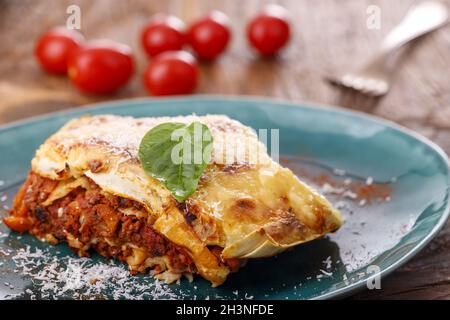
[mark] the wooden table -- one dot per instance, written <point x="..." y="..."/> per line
<point x="330" y="36"/>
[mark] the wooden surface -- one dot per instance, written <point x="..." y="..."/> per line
<point x="330" y="36"/>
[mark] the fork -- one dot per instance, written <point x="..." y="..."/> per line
<point x="374" y="79"/>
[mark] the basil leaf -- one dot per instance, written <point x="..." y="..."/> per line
<point x="177" y="155"/>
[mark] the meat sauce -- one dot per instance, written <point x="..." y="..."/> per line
<point x="90" y="219"/>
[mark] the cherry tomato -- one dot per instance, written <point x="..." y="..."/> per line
<point x="269" y="31"/>
<point x="171" y="73"/>
<point x="101" y="66"/>
<point x="163" y="33"/>
<point x="210" y="35"/>
<point x="53" y="48"/>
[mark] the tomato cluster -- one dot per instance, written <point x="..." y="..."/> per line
<point x="96" y="67"/>
<point x="172" y="71"/>
<point x="104" y="66"/>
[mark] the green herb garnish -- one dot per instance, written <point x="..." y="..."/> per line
<point x="177" y="154"/>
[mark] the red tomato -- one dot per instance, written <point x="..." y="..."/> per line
<point x="163" y="33"/>
<point x="210" y="35"/>
<point x="53" y="48"/>
<point x="170" y="73"/>
<point x="269" y="31"/>
<point x="101" y="66"/>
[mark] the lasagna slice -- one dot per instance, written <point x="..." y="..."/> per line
<point x="87" y="188"/>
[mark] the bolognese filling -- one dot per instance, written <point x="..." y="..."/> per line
<point x="88" y="218"/>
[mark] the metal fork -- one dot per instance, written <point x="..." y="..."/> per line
<point x="374" y="79"/>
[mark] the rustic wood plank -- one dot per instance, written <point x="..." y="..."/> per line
<point x="329" y="36"/>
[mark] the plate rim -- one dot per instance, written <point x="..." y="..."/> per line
<point x="338" y="293"/>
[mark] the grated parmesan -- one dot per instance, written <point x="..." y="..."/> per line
<point x="56" y="277"/>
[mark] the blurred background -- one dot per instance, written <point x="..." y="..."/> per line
<point x="328" y="37"/>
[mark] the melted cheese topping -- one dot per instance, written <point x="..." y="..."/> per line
<point x="250" y="208"/>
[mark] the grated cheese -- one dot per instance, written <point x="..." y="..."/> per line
<point x="83" y="278"/>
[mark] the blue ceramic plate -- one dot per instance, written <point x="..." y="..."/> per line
<point x="390" y="184"/>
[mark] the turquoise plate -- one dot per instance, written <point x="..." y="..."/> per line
<point x="390" y="184"/>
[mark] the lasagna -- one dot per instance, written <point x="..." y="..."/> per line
<point x="87" y="188"/>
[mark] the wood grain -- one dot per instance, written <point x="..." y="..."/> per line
<point x="330" y="36"/>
